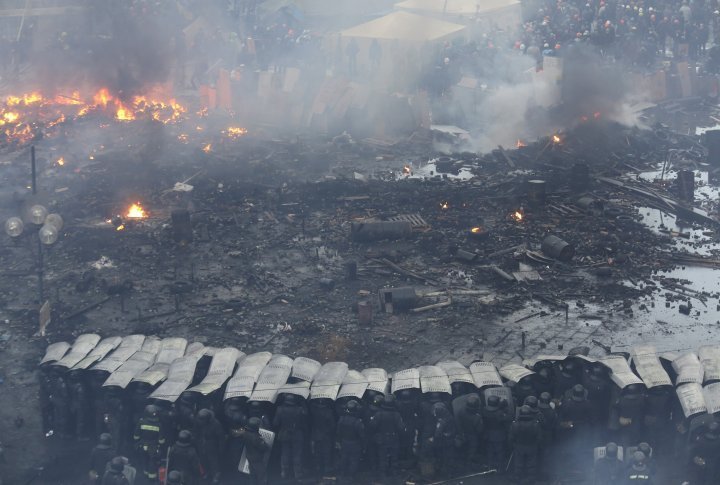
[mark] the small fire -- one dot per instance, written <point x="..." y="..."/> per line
<point x="476" y="230"/>
<point x="235" y="132"/>
<point x="520" y="143"/>
<point x="124" y="114"/>
<point x="136" y="212"/>
<point x="60" y="161"/>
<point x="517" y="215"/>
<point x="556" y="139"/>
<point x="183" y="138"/>
<point x="407" y="169"/>
<point x="445" y="205"/>
<point x="120" y="227"/>
<point x="207" y="148"/>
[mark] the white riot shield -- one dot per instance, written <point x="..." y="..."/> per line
<point x="328" y="380"/>
<point x="485" y="374"/>
<point x="55" y="352"/>
<point x="691" y="399"/>
<point x="269" y="438"/>
<point x="601" y="452"/>
<point x="139" y="362"/>
<point x="170" y="349"/>
<point x="647" y="364"/>
<point x="434" y="379"/>
<point x="456" y="372"/>
<point x="689" y="369"/>
<point x="243" y="381"/>
<point x="405" y="379"/>
<point x="179" y="378"/>
<point x="195" y="349"/>
<point x="105" y="346"/>
<point x="153" y="375"/>
<point x="300" y="388"/>
<point x="221" y="369"/>
<point x="80" y="348"/>
<point x="128" y="346"/>
<point x="305" y="369"/>
<point x="515" y="372"/>
<point x="377" y="378"/>
<point x="710" y="360"/>
<point x="273" y="376"/>
<point x="620" y="374"/>
<point x="504" y="393"/>
<point x="711" y="394"/>
<point x="354" y="385"/>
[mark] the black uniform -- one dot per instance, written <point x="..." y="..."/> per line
<point x="608" y="469"/>
<point x="322" y="433"/>
<point x="79" y="405"/>
<point x="496" y="433"/>
<point x="149" y="440"/>
<point x="60" y="400"/>
<point x="408" y="409"/>
<point x="210" y="441"/>
<point x="387" y="426"/>
<point x="470" y="428"/>
<point x="444" y="439"/>
<point x="631" y="413"/>
<point x="290" y="424"/>
<point x="525" y="437"/>
<point x="113" y="477"/>
<point x="184" y="458"/>
<point x="255" y="449"/>
<point x="100" y="456"/>
<point x="350" y="436"/>
<point x="704" y="456"/>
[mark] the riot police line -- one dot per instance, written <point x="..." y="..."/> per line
<point x="186" y="412"/>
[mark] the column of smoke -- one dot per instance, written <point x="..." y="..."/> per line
<point x="539" y="104"/>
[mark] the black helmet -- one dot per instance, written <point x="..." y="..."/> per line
<point x="258" y="404"/>
<point x="472" y="403"/>
<point x="184" y="437"/>
<point x="405" y="394"/>
<point x="174" y="478"/>
<point x="713" y="430"/>
<point x="378" y="400"/>
<point x="187" y="397"/>
<point x="254" y="424"/>
<point x="105" y="439"/>
<point x="531" y="402"/>
<point x="439" y="410"/>
<point x="290" y="399"/>
<point x="544" y="401"/>
<point x="493" y="403"/>
<point x="204" y="415"/>
<point x="525" y="412"/>
<point x="638" y="458"/>
<point x="611" y="450"/>
<point x="597" y="370"/>
<point x="117" y="464"/>
<point x="151" y="411"/>
<point x="633" y="389"/>
<point x="578" y="392"/>
<point x="568" y="367"/>
<point x="389" y="402"/>
<point x="352" y="407"/>
<point x="645" y="448"/>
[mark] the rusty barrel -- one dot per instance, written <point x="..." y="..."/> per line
<point x="557" y="248"/>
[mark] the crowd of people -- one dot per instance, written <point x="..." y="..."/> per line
<point x="548" y="425"/>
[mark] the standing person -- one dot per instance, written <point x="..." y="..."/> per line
<point x="352" y="51"/>
<point x="609" y="468"/>
<point x="210" y="441"/>
<point x="470" y="428"/>
<point x="114" y="474"/>
<point x="255" y="449"/>
<point x="100" y="456"/>
<point x="149" y="439"/>
<point x="444" y="439"/>
<point x="574" y="426"/>
<point x="184" y="458"/>
<point x="350" y="436"/>
<point x="638" y="473"/>
<point x="496" y="433"/>
<point x="79" y="405"/>
<point x="525" y="438"/>
<point x="322" y="434"/>
<point x="290" y="424"/>
<point x="704" y="456"/>
<point x="387" y="426"/>
<point x="375" y="55"/>
<point x="60" y="401"/>
<point x="408" y="408"/>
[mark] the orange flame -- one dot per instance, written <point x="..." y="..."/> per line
<point x="520" y="143"/>
<point x="445" y="205"/>
<point x="61" y="161"/>
<point x="235" y="132"/>
<point x="207" y="148"/>
<point x="407" y="169"/>
<point x="476" y="230"/>
<point x="556" y="139"/>
<point x="120" y="227"/>
<point x="518" y="216"/>
<point x="136" y="212"/>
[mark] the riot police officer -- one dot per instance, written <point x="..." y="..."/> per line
<point x="525" y="438"/>
<point x="290" y="424"/>
<point x="176" y="478"/>
<point x="630" y="407"/>
<point x="210" y="440"/>
<point x="235" y="422"/>
<point x="386" y="427"/>
<point x="350" y="435"/>
<point x="444" y="439"/>
<point x="704" y="456"/>
<point x="322" y="433"/>
<point x="149" y="439"/>
<point x="115" y="418"/>
<point x="470" y="427"/>
<point x="100" y="456"/>
<point x="184" y="411"/>
<point x="408" y="407"/>
<point x="60" y="401"/>
<point x="638" y="472"/>
<point x="184" y="458"/>
<point x="574" y="427"/>
<point x="609" y="468"/>
<point x="79" y="404"/>
<point x="567" y="377"/>
<point x="496" y="423"/>
<point x="114" y="474"/>
<point x="255" y="449"/>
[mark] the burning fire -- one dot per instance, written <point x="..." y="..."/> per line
<point x="556" y="139"/>
<point x="207" y="148"/>
<point x="476" y="230"/>
<point x="520" y="143"/>
<point x="407" y="169"/>
<point x="517" y="215"/>
<point x="120" y="227"/>
<point x="445" y="205"/>
<point x="136" y="212"/>
<point x="235" y="132"/>
<point x="183" y="138"/>
<point x="60" y="161"/>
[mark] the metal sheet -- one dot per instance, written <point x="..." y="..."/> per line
<point x="128" y="346"/>
<point x="377" y="378"/>
<point x="156" y="373"/>
<point x="688" y="368"/>
<point x="710" y="360"/>
<point x="515" y="372"/>
<point x="221" y="369"/>
<point x="405" y="379"/>
<point x="55" y="352"/>
<point x="691" y="399"/>
<point x="135" y="366"/>
<point x="170" y="349"/>
<point x="180" y="376"/>
<point x="434" y="379"/>
<point x="301" y="389"/>
<point x="79" y="350"/>
<point x="273" y="376"/>
<point x="485" y="374"/>
<point x="456" y="372"/>
<point x="647" y="364"/>
<point x="105" y="346"/>
<point x="711" y="394"/>
<point x="354" y="385"/>
<point x="195" y="348"/>
<point x="243" y="381"/>
<point x="328" y="380"/>
<point x="620" y="374"/>
<point x="305" y="369"/>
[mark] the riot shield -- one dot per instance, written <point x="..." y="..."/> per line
<point x="504" y="393"/>
<point x="170" y="349"/>
<point x="691" y="399"/>
<point x="456" y="372"/>
<point x="485" y="374"/>
<point x="620" y="372"/>
<point x="711" y="394"/>
<point x="300" y="388"/>
<point x="243" y="381"/>
<point x="353" y="385"/>
<point x="80" y="348"/>
<point x="515" y="372"/>
<point x="601" y="452"/>
<point x="179" y="377"/>
<point x="377" y="378"/>
<point x="221" y="368"/>
<point x="124" y="374"/>
<point x="433" y="379"/>
<point x="648" y="366"/>
<point x="710" y="360"/>
<point x="458" y="404"/>
<point x="105" y="346"/>
<point x="328" y="380"/>
<point x="273" y="376"/>
<point x="128" y="346"/>
<point x="405" y="379"/>
<point x="195" y="348"/>
<point x="55" y="352"/>
<point x="689" y="369"/>
<point x="153" y="375"/>
<point x="305" y="369"/>
<point x="269" y="438"/>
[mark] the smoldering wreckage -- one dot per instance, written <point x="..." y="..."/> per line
<point x="157" y="253"/>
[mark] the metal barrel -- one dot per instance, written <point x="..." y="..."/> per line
<point x="557" y="248"/>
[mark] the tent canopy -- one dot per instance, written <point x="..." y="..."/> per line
<point x="404" y="26"/>
<point x="456" y="7"/>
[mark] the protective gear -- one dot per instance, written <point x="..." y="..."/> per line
<point x="149" y="439"/>
<point x="525" y="437"/>
<point x="444" y="439"/>
<point x="100" y="456"/>
<point x="496" y="423"/>
<point x="175" y="478"/>
<point x="105" y="439"/>
<point x="204" y="416"/>
<point x="117" y="464"/>
<point x="114" y="475"/>
<point x="493" y="403"/>
<point x="350" y="437"/>
<point x="184" y="437"/>
<point x="386" y="427"/>
<point x="183" y="457"/>
<point x="254" y="425"/>
<point x="151" y="411"/>
<point x="322" y="433"/>
<point x="290" y="424"/>
<point x="255" y="449"/>
<point x="209" y="438"/>
<point x="525" y="413"/>
<point x="578" y="393"/>
<point x="473" y="403"/>
<point x="609" y="468"/>
<point x="352" y="407"/>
